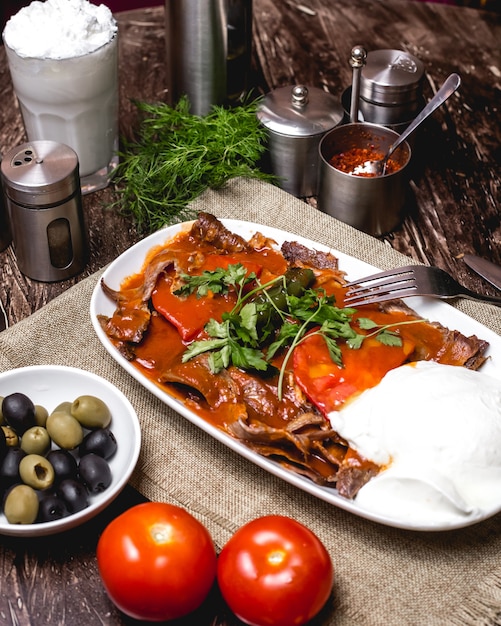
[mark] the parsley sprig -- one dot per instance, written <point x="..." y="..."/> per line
<point x="216" y="281"/>
<point x="240" y="339"/>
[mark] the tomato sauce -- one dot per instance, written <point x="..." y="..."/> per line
<point x="312" y="378"/>
<point x="179" y="320"/>
<point x="349" y="160"/>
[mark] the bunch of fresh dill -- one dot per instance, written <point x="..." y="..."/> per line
<point x="177" y="155"/>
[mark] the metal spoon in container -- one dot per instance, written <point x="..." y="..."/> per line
<point x="378" y="167"/>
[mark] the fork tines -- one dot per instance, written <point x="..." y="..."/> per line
<point x="396" y="283"/>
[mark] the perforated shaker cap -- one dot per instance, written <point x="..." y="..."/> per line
<point x="40" y="173"/>
<point x="391" y="77"/>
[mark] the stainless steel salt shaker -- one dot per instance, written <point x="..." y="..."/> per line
<point x="43" y="198"/>
<point x="391" y="87"/>
<point x="5" y="236"/>
<point x="391" y="90"/>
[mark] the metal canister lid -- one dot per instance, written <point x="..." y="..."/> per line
<point x="391" y="77"/>
<point x="40" y="173"/>
<point x="300" y="111"/>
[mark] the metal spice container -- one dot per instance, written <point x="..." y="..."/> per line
<point x="43" y="198"/>
<point x="391" y="87"/>
<point x="5" y="236"/>
<point x="296" y="119"/>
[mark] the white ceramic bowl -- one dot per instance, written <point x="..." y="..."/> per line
<point x="49" y="385"/>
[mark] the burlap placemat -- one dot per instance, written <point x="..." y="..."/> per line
<point x="384" y="576"/>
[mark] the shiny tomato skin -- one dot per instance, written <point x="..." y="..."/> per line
<point x="157" y="562"/>
<point x="275" y="572"/>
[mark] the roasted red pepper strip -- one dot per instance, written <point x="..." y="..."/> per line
<point x="328" y="385"/>
<point x="189" y="314"/>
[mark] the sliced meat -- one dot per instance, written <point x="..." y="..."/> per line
<point x="297" y="254"/>
<point x="461" y="350"/>
<point x="285" y="443"/>
<point x="260" y="396"/>
<point x="209" y="229"/>
<point x="215" y="389"/>
<point x="351" y="479"/>
<point x="310" y="448"/>
<point x="245" y="404"/>
<point x="435" y="342"/>
<point x="131" y="318"/>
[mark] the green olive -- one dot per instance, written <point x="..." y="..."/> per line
<point x="11" y="437"/>
<point x="36" y="471"/>
<point x="21" y="505"/>
<point x="41" y="415"/>
<point x="91" y="412"/>
<point x="36" y="440"/>
<point x="64" y="407"/>
<point x="64" y="430"/>
<point x="298" y="279"/>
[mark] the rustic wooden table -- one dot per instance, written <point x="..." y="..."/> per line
<point x="456" y="194"/>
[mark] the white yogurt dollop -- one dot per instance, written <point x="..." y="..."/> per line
<point x="437" y="428"/>
<point x="59" y="29"/>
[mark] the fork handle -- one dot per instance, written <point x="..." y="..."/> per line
<point x="471" y="295"/>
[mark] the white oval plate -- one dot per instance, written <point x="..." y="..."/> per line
<point x="49" y="385"/>
<point x="131" y="262"/>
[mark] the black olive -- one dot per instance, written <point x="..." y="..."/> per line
<point x="51" y="507"/>
<point x="64" y="463"/>
<point x="94" y="472"/>
<point x="19" y="412"/>
<point x="74" y="494"/>
<point x="101" y="442"/>
<point x="9" y="467"/>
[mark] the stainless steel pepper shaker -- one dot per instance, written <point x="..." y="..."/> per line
<point x="357" y="61"/>
<point x="43" y="199"/>
<point x="195" y="33"/>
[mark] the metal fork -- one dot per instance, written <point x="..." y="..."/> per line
<point x="411" y="280"/>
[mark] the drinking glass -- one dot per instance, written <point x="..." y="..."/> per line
<point x="73" y="101"/>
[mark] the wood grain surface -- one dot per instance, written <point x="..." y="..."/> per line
<point x="454" y="196"/>
<point x="453" y="209"/>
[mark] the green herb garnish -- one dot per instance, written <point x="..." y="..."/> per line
<point x="178" y="155"/>
<point x="216" y="281"/>
<point x="243" y="337"/>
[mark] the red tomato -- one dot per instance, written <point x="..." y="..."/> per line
<point x="156" y="561"/>
<point x="275" y="572"/>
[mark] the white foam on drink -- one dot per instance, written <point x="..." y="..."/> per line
<point x="59" y="29"/>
